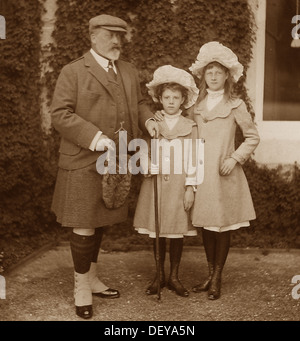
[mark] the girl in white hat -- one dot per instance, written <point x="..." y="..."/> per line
<point x="175" y="89"/>
<point x="223" y="201"/>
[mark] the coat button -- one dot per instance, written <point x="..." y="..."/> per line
<point x="166" y="177"/>
<point x="204" y="120"/>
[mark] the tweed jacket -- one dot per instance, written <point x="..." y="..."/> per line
<point x="84" y="103"/>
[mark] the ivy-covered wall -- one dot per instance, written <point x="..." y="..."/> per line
<point x="25" y="177"/>
<point x="162" y="32"/>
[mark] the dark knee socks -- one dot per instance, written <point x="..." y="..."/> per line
<point x="98" y="239"/>
<point x="222" y="248"/>
<point x="176" y="247"/>
<point x="82" y="251"/>
<point x="162" y="249"/>
<point x="209" y="243"/>
<point x="216" y="245"/>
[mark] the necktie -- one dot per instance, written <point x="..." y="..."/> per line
<point x="111" y="70"/>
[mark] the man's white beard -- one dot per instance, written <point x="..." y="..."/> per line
<point x="114" y="54"/>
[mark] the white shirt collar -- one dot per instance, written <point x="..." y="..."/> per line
<point x="102" y="61"/>
<point x="170" y="117"/>
<point x="171" y="120"/>
<point x="215" y="94"/>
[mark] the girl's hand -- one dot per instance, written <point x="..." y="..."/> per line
<point x="159" y="116"/>
<point x="188" y="199"/>
<point x="227" y="166"/>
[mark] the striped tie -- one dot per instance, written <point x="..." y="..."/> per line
<point x="111" y="70"/>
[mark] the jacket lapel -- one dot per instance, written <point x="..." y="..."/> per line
<point x="126" y="79"/>
<point x="97" y="71"/>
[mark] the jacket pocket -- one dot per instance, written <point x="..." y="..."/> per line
<point x="69" y="148"/>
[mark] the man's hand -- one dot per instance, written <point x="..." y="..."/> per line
<point x="159" y="116"/>
<point x="104" y="143"/>
<point x="152" y="127"/>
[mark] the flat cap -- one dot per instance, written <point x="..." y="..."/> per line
<point x="108" y="22"/>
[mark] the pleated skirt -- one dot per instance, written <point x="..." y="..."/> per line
<point x="77" y="200"/>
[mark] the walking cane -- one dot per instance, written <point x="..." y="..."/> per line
<point x="155" y="155"/>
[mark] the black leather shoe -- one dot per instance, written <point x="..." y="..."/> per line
<point x="214" y="291"/>
<point x="108" y="293"/>
<point x="202" y="287"/>
<point x="85" y="311"/>
<point x="178" y="288"/>
<point x="153" y="287"/>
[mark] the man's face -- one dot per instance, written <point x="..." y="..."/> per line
<point x="107" y="43"/>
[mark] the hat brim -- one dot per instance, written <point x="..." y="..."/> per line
<point x="236" y="70"/>
<point x="216" y="52"/>
<point x="114" y="28"/>
<point x="171" y="74"/>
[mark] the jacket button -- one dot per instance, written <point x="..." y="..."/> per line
<point x="166" y="177"/>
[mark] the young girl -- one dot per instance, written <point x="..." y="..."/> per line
<point x="223" y="201"/>
<point x="173" y="88"/>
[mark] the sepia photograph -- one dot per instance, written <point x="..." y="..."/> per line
<point x="150" y="163"/>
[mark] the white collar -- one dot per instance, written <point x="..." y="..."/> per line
<point x="102" y="61"/>
<point x="215" y="94"/>
<point x="172" y="117"/>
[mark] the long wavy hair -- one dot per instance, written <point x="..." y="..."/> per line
<point x="202" y="86"/>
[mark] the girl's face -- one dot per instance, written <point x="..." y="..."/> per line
<point x="215" y="78"/>
<point x="171" y="101"/>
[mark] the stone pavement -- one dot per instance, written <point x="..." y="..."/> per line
<point x="257" y="286"/>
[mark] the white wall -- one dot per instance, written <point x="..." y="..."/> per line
<point x="48" y="19"/>
<point x="280" y="140"/>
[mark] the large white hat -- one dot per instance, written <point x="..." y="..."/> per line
<point x="171" y="74"/>
<point x="216" y="52"/>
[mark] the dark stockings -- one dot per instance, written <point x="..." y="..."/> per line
<point x="176" y="246"/>
<point x="175" y="251"/>
<point x="98" y="239"/>
<point x="82" y="250"/>
<point x="85" y="249"/>
<point x="153" y="287"/>
<point x="216" y="247"/>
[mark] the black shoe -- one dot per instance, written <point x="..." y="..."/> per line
<point x="153" y="287"/>
<point x="108" y="293"/>
<point x="176" y="286"/>
<point x="202" y="287"/>
<point x="214" y="290"/>
<point x="85" y="311"/>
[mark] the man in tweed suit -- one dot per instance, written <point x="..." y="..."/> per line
<point x="95" y="95"/>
